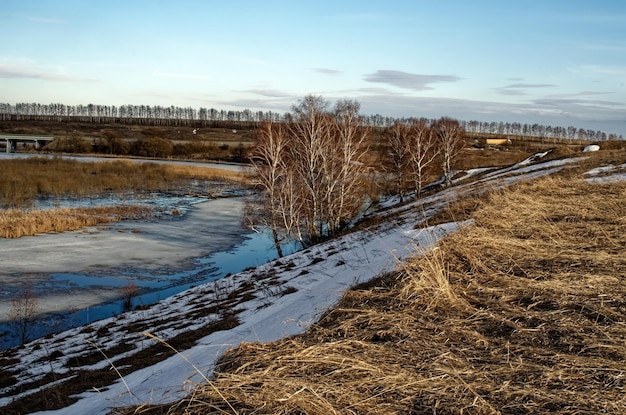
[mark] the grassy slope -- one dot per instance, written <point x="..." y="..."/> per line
<point x="522" y="312"/>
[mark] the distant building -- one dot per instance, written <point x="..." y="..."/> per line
<point x="497" y="141"/>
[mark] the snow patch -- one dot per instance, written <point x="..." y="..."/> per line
<point x="590" y="148"/>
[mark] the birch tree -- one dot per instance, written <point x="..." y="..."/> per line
<point x="423" y="151"/>
<point x="399" y="156"/>
<point x="451" y="139"/>
<point x="310" y="172"/>
<point x="346" y="189"/>
<point x="277" y="206"/>
<point x="310" y="151"/>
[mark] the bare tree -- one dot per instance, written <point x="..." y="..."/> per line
<point x="346" y="190"/>
<point x="275" y="207"/>
<point x="423" y="151"/>
<point x="310" y="172"/>
<point x="399" y="156"/>
<point x="23" y="312"/>
<point x="451" y="138"/>
<point x="310" y="151"/>
<point x="130" y="291"/>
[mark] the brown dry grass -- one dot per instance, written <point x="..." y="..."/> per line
<point x="208" y="173"/>
<point x="523" y="312"/>
<point x="26" y="179"/>
<point x="15" y="223"/>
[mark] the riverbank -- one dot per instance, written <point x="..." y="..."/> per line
<point x="74" y="270"/>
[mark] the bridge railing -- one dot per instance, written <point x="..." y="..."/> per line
<point x="12" y="140"/>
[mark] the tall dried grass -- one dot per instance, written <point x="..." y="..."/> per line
<point x="523" y="312"/>
<point x="212" y="173"/>
<point x="15" y="223"/>
<point x="25" y="179"/>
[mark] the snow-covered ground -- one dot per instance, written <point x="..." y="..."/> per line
<point x="609" y="173"/>
<point x="289" y="295"/>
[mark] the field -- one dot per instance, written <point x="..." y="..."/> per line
<point x="217" y="135"/>
<point x="210" y="142"/>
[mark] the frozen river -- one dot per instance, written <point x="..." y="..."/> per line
<point x="82" y="276"/>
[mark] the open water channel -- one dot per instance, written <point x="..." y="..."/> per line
<point x="82" y="276"/>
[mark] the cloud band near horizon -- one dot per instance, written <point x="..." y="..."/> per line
<point x="405" y="80"/>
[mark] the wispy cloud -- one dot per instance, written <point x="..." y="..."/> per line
<point x="513" y="92"/>
<point x="405" y="80"/>
<point x="601" y="70"/>
<point x="579" y="94"/>
<point x="374" y="90"/>
<point x="595" y="18"/>
<point x="326" y="71"/>
<point x="570" y="102"/>
<point x="271" y="93"/>
<point x="519" y="88"/>
<point x="280" y="104"/>
<point x="12" y="71"/>
<point x="179" y="75"/>
<point x="523" y="85"/>
<point x="619" y="46"/>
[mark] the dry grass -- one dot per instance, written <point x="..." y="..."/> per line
<point x="522" y="313"/>
<point x="208" y="173"/>
<point x="26" y="179"/>
<point x="15" y="223"/>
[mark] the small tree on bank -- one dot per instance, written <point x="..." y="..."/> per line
<point x="310" y="172"/>
<point x="414" y="149"/>
<point x="23" y="313"/>
<point x="423" y="151"/>
<point x="399" y="157"/>
<point x="451" y="139"/>
<point x="278" y="204"/>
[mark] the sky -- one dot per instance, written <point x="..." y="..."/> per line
<point x="552" y="62"/>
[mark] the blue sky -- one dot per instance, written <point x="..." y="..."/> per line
<point x="554" y="62"/>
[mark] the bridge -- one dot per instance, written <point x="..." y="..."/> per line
<point x="12" y="140"/>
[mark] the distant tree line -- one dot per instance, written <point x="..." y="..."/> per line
<point x="205" y="117"/>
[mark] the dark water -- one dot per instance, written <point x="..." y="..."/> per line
<point x="256" y="249"/>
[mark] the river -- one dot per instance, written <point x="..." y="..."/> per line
<point x="82" y="276"/>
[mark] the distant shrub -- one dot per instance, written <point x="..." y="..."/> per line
<point x="151" y="147"/>
<point x="198" y="149"/>
<point x="152" y="132"/>
<point x="111" y="142"/>
<point x="72" y="143"/>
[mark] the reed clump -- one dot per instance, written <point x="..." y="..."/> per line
<point x="522" y="312"/>
<point x="15" y="223"/>
<point x="26" y="179"/>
